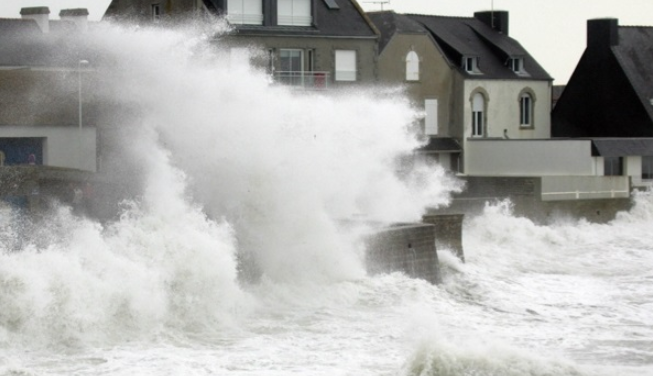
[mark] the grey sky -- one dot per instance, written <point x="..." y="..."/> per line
<point x="553" y="31"/>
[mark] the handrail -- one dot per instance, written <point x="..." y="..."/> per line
<point x="303" y="79"/>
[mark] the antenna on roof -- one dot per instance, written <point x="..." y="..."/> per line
<point x="381" y="2"/>
<point x="492" y="14"/>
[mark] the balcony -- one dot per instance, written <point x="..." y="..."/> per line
<point x="303" y="80"/>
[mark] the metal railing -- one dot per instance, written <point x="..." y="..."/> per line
<point x="304" y="80"/>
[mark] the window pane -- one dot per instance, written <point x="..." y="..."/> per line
<point x="613" y="166"/>
<point x="245" y="12"/>
<point x="525" y="110"/>
<point x="647" y="168"/>
<point x="294" y="12"/>
<point x="412" y="66"/>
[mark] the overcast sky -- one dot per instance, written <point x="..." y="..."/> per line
<point x="553" y="31"/>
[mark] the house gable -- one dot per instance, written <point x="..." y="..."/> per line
<point x="609" y="93"/>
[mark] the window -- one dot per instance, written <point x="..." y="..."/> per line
<point x="612" y="166"/>
<point x="526" y="110"/>
<point x="156" y="12"/>
<point x="647" y="168"/>
<point x="516" y="64"/>
<point x="294" y="12"/>
<point x="291" y="63"/>
<point x="245" y="12"/>
<point x="470" y="64"/>
<point x="412" y="66"/>
<point x="345" y="65"/>
<point x="478" y="107"/>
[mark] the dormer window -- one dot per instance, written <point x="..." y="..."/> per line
<point x="516" y="64"/>
<point x="294" y="12"/>
<point x="245" y="12"/>
<point x="470" y="64"/>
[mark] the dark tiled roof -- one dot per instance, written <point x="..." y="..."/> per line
<point x="470" y="37"/>
<point x="635" y="54"/>
<point x="622" y="147"/>
<point x="441" y="145"/>
<point x="346" y="21"/>
<point x="389" y="23"/>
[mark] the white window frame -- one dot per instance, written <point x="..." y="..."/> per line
<point x="470" y="64"/>
<point x="516" y="64"/>
<point x="478" y="115"/>
<point x="294" y="13"/>
<point x="345" y="65"/>
<point x="245" y="12"/>
<point x="412" y="66"/>
<point x="526" y="107"/>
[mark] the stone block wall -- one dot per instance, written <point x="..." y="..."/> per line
<point x="407" y="248"/>
<point x="448" y="232"/>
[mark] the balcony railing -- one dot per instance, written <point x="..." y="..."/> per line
<point x="304" y="80"/>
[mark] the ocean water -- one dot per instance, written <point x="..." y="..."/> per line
<point x="220" y="165"/>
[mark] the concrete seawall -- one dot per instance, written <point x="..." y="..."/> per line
<point x="408" y="248"/>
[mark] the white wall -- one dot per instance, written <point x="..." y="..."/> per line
<point x="502" y="110"/>
<point x="67" y="147"/>
<point x="487" y="157"/>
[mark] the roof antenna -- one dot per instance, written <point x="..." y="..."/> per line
<point x="381" y="2"/>
<point x="492" y="14"/>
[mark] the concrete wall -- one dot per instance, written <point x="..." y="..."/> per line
<point x="406" y="248"/>
<point x="448" y="232"/>
<point x="525" y="194"/>
<point x="499" y="157"/>
<point x="67" y="147"/>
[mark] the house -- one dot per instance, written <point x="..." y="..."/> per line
<point x="609" y="98"/>
<point x="304" y="43"/>
<point x="473" y="81"/>
<point x="41" y="70"/>
<point x="48" y="141"/>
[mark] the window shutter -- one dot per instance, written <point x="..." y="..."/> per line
<point x="345" y="65"/>
<point x="431" y="121"/>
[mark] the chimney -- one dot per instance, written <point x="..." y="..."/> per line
<point x="78" y="16"/>
<point x="496" y="19"/>
<point x="38" y="14"/>
<point x="602" y="33"/>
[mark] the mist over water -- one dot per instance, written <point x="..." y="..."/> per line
<point x="219" y="164"/>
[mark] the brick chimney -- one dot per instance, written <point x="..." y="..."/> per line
<point x="78" y="16"/>
<point x="496" y="19"/>
<point x="602" y="33"/>
<point x="39" y="14"/>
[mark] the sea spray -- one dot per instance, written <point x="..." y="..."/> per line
<point x="285" y="168"/>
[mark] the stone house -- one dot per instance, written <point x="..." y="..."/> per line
<point x="471" y="79"/>
<point x="312" y="44"/>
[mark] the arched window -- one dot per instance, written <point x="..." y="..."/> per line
<point x="526" y="110"/>
<point x="478" y="109"/>
<point x="412" y="66"/>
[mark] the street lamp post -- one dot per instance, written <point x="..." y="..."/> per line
<point x="79" y="87"/>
